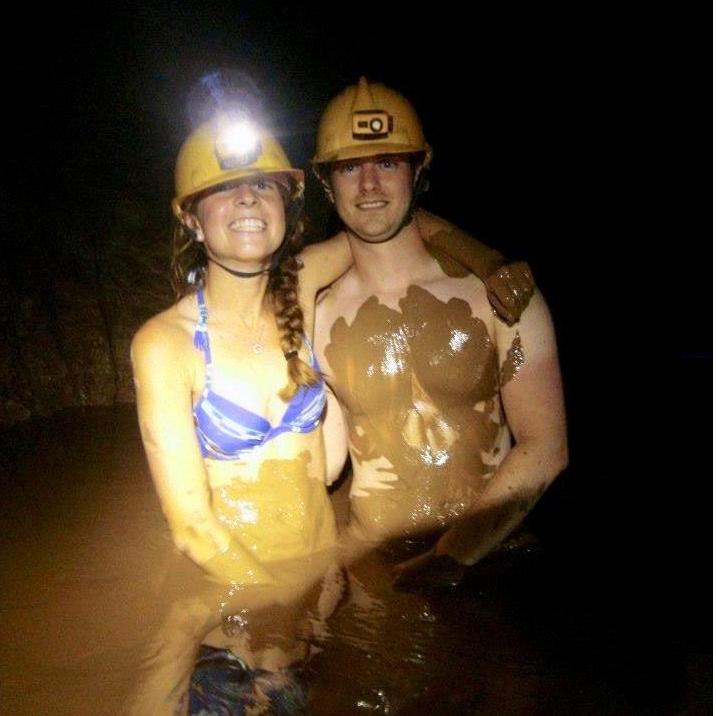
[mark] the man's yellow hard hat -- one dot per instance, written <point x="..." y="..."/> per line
<point x="369" y="119"/>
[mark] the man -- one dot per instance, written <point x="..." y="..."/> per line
<point x="454" y="417"/>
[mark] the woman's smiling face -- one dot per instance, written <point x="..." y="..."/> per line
<point x="244" y="221"/>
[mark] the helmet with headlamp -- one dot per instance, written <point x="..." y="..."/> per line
<point x="371" y="120"/>
<point x="227" y="149"/>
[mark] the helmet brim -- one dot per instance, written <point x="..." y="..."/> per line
<point x="179" y="203"/>
<point x="370" y="149"/>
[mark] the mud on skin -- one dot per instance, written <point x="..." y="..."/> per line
<point x="426" y="426"/>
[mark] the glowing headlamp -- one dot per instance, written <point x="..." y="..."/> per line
<point x="237" y="144"/>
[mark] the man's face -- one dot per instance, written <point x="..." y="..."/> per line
<point x="373" y="194"/>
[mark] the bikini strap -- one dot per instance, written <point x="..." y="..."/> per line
<point x="201" y="335"/>
<point x="311" y="354"/>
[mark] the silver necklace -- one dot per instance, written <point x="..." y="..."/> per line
<point x="256" y="335"/>
<point x="258" y="345"/>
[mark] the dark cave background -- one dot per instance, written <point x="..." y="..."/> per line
<point x="571" y="138"/>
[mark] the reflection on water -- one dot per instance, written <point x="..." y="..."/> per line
<point x="95" y="600"/>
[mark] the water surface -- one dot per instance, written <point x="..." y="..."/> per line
<point x="86" y="559"/>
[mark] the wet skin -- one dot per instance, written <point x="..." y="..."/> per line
<point x="274" y="507"/>
<point x="419" y="377"/>
<point x="260" y="525"/>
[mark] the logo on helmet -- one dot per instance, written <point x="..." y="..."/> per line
<point x="371" y="124"/>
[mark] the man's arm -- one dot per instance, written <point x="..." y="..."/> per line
<point x="534" y="407"/>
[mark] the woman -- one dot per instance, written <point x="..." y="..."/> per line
<point x="229" y="395"/>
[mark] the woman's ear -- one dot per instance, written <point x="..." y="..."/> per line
<point x="192" y="224"/>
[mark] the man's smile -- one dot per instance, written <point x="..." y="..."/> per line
<point x="374" y="204"/>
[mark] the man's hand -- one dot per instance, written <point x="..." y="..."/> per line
<point x="509" y="290"/>
<point x="427" y="571"/>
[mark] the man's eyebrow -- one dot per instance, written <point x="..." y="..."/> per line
<point x="394" y="157"/>
<point x="372" y="158"/>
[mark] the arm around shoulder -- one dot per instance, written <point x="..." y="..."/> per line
<point x="324" y="262"/>
<point x="470" y="253"/>
<point x="509" y="285"/>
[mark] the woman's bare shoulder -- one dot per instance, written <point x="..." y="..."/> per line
<point x="167" y="334"/>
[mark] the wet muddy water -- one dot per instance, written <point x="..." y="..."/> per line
<point x="86" y="560"/>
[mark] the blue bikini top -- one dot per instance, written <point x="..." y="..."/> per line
<point x="227" y="431"/>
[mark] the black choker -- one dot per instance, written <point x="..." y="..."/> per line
<point x="240" y="274"/>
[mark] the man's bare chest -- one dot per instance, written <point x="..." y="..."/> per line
<point x="420" y="348"/>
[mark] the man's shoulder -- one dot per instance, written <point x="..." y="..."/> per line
<point x="465" y="286"/>
<point x="431" y="223"/>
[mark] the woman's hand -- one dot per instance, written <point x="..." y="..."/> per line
<point x="210" y="545"/>
<point x="162" y="360"/>
<point x="509" y="290"/>
<point x="236" y="565"/>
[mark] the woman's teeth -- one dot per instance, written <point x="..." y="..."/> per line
<point x="247" y="225"/>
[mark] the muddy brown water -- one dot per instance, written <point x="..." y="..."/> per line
<point x="85" y="551"/>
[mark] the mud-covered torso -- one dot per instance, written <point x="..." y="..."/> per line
<point x="275" y="503"/>
<point x="271" y="496"/>
<point x="418" y="376"/>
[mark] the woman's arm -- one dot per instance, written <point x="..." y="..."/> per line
<point x="470" y="253"/>
<point x="334" y="438"/>
<point x="509" y="285"/>
<point x="164" y="406"/>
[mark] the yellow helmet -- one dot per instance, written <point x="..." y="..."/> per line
<point x="225" y="149"/>
<point x="368" y="119"/>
